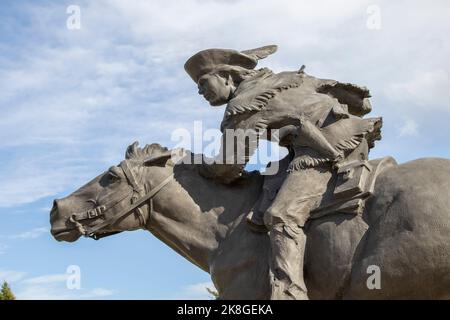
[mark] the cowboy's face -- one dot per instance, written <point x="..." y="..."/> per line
<point x="215" y="89"/>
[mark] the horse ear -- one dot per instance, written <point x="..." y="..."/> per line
<point x="158" y="160"/>
<point x="132" y="150"/>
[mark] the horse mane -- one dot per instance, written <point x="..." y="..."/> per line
<point x="134" y="152"/>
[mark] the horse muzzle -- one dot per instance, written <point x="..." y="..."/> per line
<point x="60" y="229"/>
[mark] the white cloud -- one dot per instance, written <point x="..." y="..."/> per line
<point x="51" y="292"/>
<point x="97" y="293"/>
<point x="409" y="128"/>
<point x="47" y="279"/>
<point x="46" y="287"/>
<point x="34" y="180"/>
<point x="32" y="234"/>
<point x="73" y="100"/>
<point x="72" y="107"/>
<point x="49" y="287"/>
<point x="427" y="89"/>
<point x="41" y="293"/>
<point x="11" y="275"/>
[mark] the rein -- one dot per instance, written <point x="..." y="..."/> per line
<point x="134" y="207"/>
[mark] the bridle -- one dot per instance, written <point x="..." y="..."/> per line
<point x="138" y="198"/>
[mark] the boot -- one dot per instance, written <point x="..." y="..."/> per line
<point x="286" y="267"/>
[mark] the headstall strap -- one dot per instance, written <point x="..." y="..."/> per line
<point x="136" y="202"/>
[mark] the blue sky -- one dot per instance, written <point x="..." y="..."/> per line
<point x="72" y="100"/>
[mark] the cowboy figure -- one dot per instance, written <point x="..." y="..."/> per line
<point x="319" y="121"/>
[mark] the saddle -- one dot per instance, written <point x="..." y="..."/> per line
<point x="354" y="184"/>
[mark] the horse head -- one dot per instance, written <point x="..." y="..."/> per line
<point x="119" y="199"/>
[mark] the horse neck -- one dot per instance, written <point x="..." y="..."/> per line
<point x="186" y="215"/>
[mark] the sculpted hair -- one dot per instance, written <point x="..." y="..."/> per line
<point x="238" y="74"/>
<point x="134" y="152"/>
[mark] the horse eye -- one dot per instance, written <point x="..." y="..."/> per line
<point x="113" y="175"/>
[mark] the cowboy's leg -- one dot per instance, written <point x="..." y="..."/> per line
<point x="286" y="265"/>
<point x="299" y="194"/>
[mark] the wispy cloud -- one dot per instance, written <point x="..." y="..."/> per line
<point x="97" y="293"/>
<point x="32" y="234"/>
<point x="70" y="108"/>
<point x="11" y="275"/>
<point x="73" y="106"/>
<point x="27" y="235"/>
<point x="49" y="287"/>
<point x="426" y="89"/>
<point x="47" y="279"/>
<point x="53" y="292"/>
<point x="409" y="128"/>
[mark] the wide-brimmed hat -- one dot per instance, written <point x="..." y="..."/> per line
<point x="207" y="60"/>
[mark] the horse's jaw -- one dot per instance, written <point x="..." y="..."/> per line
<point x="67" y="235"/>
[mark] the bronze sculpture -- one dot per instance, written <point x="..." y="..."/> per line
<point x="328" y="210"/>
<point x="318" y="127"/>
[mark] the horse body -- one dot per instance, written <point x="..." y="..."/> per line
<point x="404" y="232"/>
<point x="408" y="235"/>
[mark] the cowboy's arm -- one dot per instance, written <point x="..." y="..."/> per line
<point x="305" y="133"/>
<point x="238" y="143"/>
<point x="354" y="97"/>
<point x="236" y="149"/>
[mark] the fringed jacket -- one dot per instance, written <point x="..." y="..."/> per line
<point x="272" y="101"/>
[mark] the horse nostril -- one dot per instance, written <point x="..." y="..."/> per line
<point x="54" y="209"/>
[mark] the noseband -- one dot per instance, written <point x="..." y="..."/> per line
<point x="136" y="203"/>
